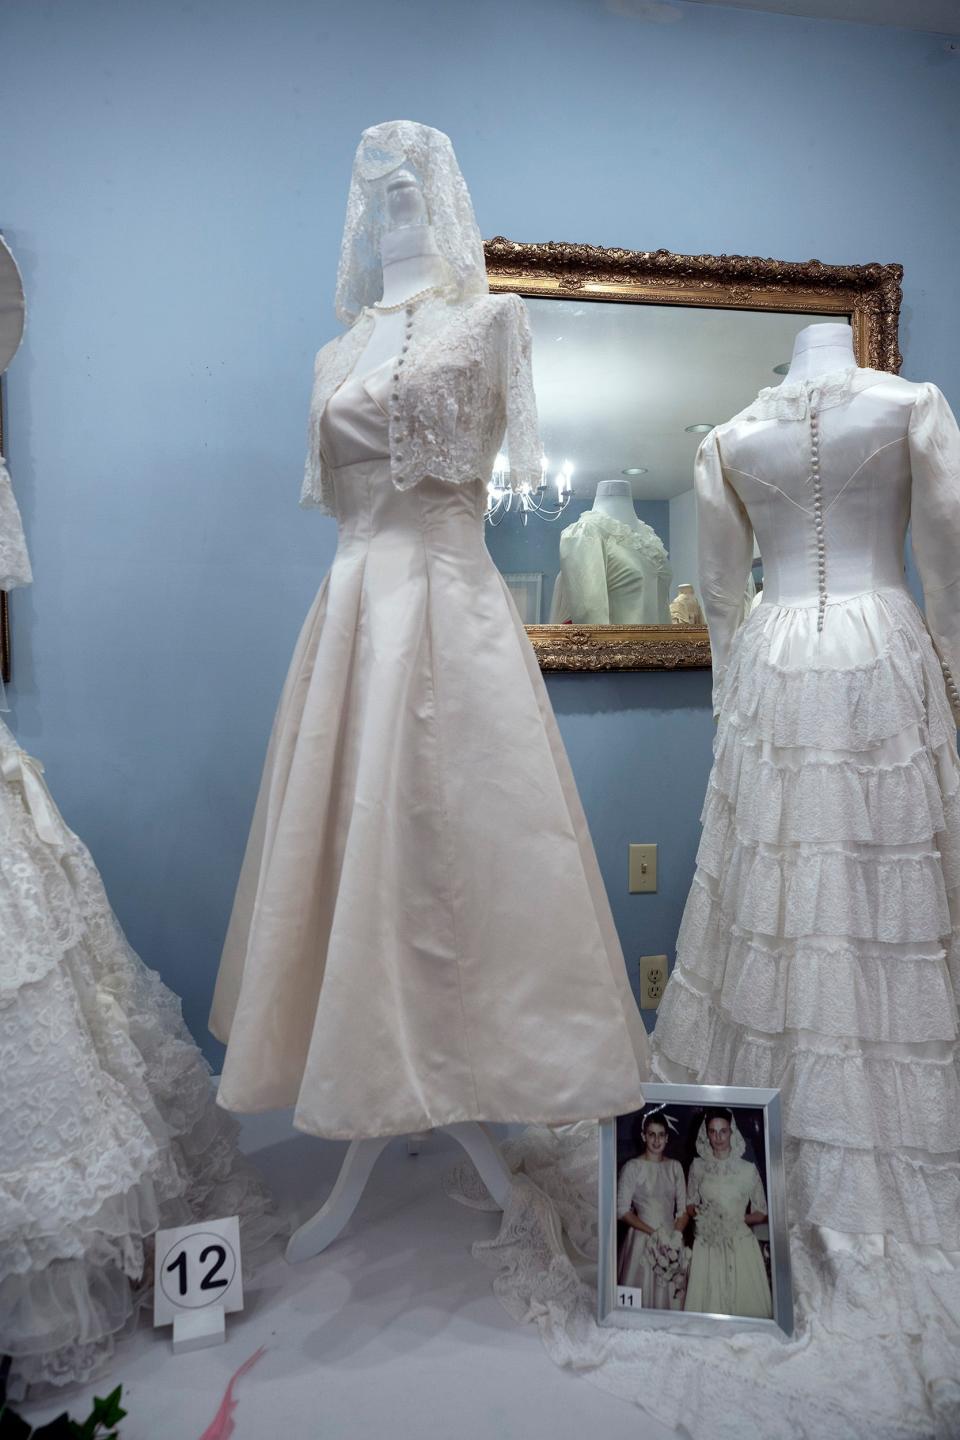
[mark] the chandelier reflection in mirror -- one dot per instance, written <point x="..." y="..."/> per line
<point x="546" y="500"/>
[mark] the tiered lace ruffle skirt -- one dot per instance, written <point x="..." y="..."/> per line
<point x="820" y="946"/>
<point x="108" y="1126"/>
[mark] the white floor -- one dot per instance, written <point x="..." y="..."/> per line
<point x="392" y="1333"/>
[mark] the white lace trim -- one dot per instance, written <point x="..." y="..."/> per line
<point x="14" y="561"/>
<point x="645" y="541"/>
<point x="853" y="708"/>
<point x="792" y="401"/>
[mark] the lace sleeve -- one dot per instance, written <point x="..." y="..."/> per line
<point x="935" y="526"/>
<point x="14" y="560"/>
<point x="725" y="553"/>
<point x="523" y="437"/>
<point x="694" y="1196"/>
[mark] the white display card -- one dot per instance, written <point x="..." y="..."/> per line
<point x="629" y="1297"/>
<point x="197" y="1268"/>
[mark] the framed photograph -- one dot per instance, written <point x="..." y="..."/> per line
<point x="692" y="1215"/>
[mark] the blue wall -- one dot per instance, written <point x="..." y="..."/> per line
<point x="173" y="186"/>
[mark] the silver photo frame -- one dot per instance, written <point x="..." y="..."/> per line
<point x="683" y="1108"/>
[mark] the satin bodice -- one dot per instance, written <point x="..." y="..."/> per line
<point x="846" y="534"/>
<point x="354" y="426"/>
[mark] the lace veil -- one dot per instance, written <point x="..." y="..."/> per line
<point x="428" y="155"/>
<point x="737" y="1143"/>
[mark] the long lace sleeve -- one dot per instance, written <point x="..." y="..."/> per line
<point x="14" y="560"/>
<point x="523" y="436"/>
<point x="583" y="571"/>
<point x="935" y="526"/>
<point x="725" y="553"/>
<point x="694" y="1196"/>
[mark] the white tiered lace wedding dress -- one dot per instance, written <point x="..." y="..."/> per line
<point x="820" y="948"/>
<point x="108" y="1126"/>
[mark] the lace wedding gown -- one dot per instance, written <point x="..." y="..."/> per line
<point x="819" y="948"/>
<point x="108" y="1127"/>
<point x="611" y="574"/>
<point x="421" y="935"/>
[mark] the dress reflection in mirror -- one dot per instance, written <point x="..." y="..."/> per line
<point x="685" y="608"/>
<point x="820" y="945"/>
<point x="420" y="936"/>
<point x="614" y="568"/>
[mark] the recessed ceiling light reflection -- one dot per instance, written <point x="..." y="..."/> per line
<point x="634" y="470"/>
<point x="702" y="429"/>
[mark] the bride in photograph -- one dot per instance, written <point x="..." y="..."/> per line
<point x="652" y="1201"/>
<point x="726" y="1194"/>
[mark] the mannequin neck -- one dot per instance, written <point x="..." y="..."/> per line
<point x="614" y="498"/>
<point x="411" y="262"/>
<point x="820" y="350"/>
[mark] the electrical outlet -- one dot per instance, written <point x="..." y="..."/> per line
<point x="653" y="980"/>
<point x="642" y="878"/>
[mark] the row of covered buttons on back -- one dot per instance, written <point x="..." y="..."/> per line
<point x="818" y="516"/>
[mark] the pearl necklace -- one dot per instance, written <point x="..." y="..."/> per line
<point x="407" y="304"/>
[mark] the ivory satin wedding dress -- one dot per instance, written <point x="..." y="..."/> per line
<point x="421" y="935"/>
<point x="108" y="1126"/>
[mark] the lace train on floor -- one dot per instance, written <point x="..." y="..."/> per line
<point x="109" y="1127"/>
<point x="878" y="1326"/>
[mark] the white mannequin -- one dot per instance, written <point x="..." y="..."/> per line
<point x="411" y="264"/>
<point x="820" y="349"/>
<point x="615" y="498"/>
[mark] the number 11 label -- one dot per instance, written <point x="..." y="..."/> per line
<point x="197" y="1266"/>
<point x="629" y="1297"/>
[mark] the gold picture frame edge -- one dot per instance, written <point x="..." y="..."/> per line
<point x="871" y="294"/>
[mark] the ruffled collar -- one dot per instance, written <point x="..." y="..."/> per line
<point x="645" y="540"/>
<point x="793" y="401"/>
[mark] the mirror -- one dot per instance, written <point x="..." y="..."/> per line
<point x="635" y="356"/>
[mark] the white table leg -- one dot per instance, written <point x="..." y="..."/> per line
<point x="323" y="1228"/>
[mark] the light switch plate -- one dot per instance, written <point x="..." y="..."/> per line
<point x="643" y="869"/>
<point x="653" y="980"/>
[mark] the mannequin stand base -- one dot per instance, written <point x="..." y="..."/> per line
<point x="323" y="1228"/>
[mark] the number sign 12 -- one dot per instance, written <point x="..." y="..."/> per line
<point x="197" y="1267"/>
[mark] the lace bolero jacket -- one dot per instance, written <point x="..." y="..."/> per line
<point x="889" y="454"/>
<point x="467" y="380"/>
<point x="14" y="560"/>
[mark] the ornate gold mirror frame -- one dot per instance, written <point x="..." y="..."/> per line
<point x="868" y="295"/>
